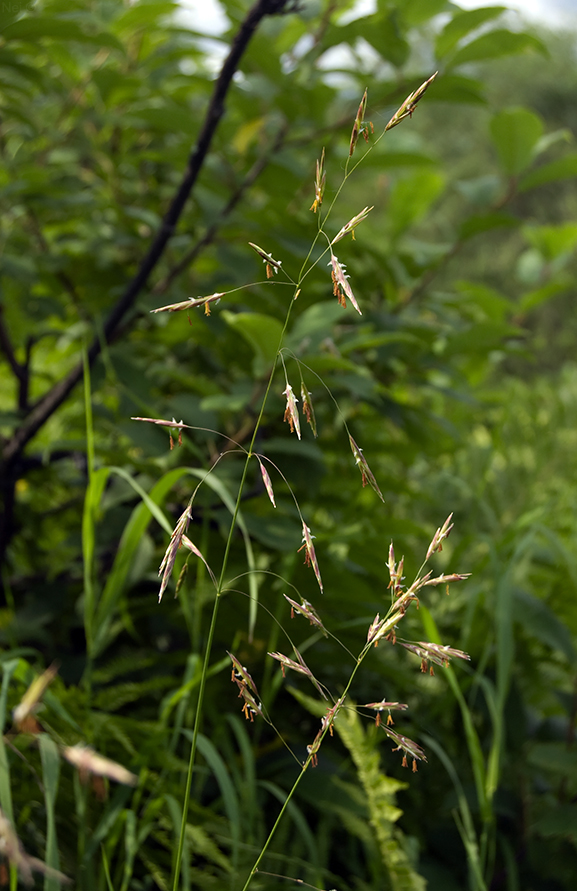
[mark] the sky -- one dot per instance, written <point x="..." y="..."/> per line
<point x="206" y="15"/>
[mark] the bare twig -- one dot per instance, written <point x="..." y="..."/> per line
<point x="208" y="237"/>
<point x="48" y="404"/>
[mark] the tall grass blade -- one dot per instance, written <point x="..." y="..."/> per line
<point x="50" y="759"/>
<point x="228" y="792"/>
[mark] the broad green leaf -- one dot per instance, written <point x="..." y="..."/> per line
<point x="463" y="23"/>
<point x="515" y="133"/>
<point x="486" y="223"/>
<point x="143" y="15"/>
<point x="387" y="38"/>
<point x="493" y="304"/>
<point x="552" y="241"/>
<point x="555" y="758"/>
<point x="316" y="322"/>
<point x="495" y="44"/>
<point x="415" y="12"/>
<point x="262" y="332"/>
<point x="559" y="820"/>
<point x="537" y="296"/>
<point x="562" y="168"/>
<point x="458" y="89"/>
<point x="168" y="119"/>
<point x="35" y="27"/>
<point x="412" y="197"/>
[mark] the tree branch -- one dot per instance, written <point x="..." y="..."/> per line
<point x="52" y="400"/>
<point x="208" y="237"/>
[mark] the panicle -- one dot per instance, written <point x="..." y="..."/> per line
<point x="395" y="572"/>
<point x="191" y="303"/>
<point x="87" y="761"/>
<point x="341" y="287"/>
<point x="247" y="689"/>
<point x="272" y="266"/>
<point x="13" y="850"/>
<point x="385" y="706"/>
<point x="380" y="628"/>
<point x="410" y="104"/>
<point x="23" y="714"/>
<point x="408" y="746"/>
<point x="291" y="414"/>
<point x="433" y="652"/>
<point x="367" y="475"/>
<point x="301" y="667"/>
<point x="350" y="226"/>
<point x="358" y="124"/>
<point x="320" y="180"/>
<point x="172" y="425"/>
<point x="175" y="543"/>
<point x="267" y="482"/>
<point x="327" y="722"/>
<point x="307" y="610"/>
<point x="310" y="555"/>
<point x="440" y="536"/>
<point x="308" y="409"/>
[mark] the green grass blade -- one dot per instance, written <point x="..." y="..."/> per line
<point x="96" y="485"/>
<point x="176" y="817"/>
<point x="465" y="822"/>
<point x="130" y="847"/>
<point x="8" y="670"/>
<point x="246" y="748"/>
<point x="228" y="792"/>
<point x="471" y="735"/>
<point x="50" y="759"/>
<point x="106" y="866"/>
<point x="298" y="819"/>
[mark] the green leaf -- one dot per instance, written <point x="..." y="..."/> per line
<point x="169" y="119"/>
<point x="143" y="15"/>
<point x="387" y="38"/>
<point x="230" y="799"/>
<point x="8" y="669"/>
<point x="412" y="197"/>
<point x="560" y="820"/>
<point x="556" y="758"/>
<point x="456" y="88"/>
<point x="515" y="133"/>
<point x="379" y="790"/>
<point x="262" y="332"/>
<point x="34" y="28"/>
<point x="415" y="12"/>
<point x="486" y="223"/>
<point x="536" y="297"/>
<point x="562" y="168"/>
<point x="463" y="23"/>
<point x="50" y="759"/>
<point x="552" y="241"/>
<point x="495" y="44"/>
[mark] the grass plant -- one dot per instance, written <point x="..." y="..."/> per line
<point x="401" y="596"/>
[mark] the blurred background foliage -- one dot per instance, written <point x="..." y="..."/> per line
<point x="459" y="383"/>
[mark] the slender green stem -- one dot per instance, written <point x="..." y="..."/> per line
<point x="305" y="766"/>
<point x="220" y="587"/>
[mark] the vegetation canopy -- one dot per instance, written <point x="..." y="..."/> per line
<point x="286" y="312"/>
